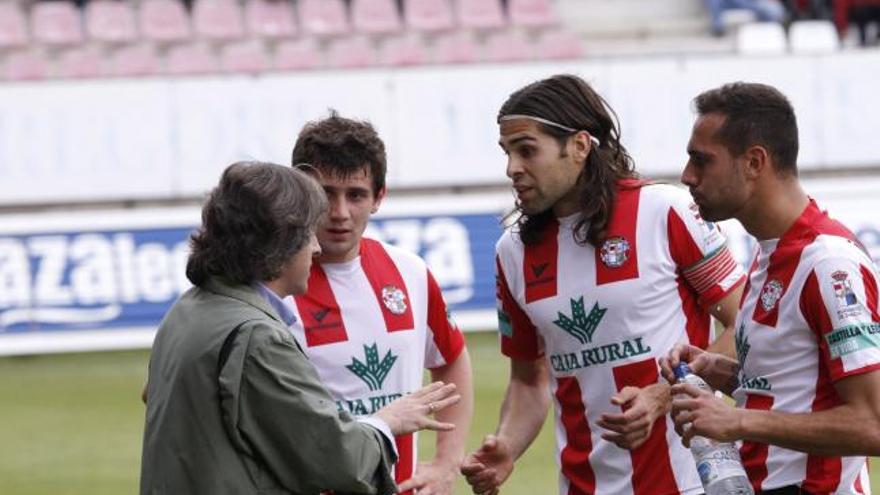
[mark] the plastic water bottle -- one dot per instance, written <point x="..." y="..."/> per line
<point x="718" y="463"/>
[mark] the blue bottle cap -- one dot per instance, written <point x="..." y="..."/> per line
<point x="681" y="370"/>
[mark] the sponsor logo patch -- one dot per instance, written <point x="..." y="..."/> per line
<point x="848" y="304"/>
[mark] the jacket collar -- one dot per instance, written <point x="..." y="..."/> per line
<point x="243" y="293"/>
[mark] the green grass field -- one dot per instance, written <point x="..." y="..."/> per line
<point x="72" y="424"/>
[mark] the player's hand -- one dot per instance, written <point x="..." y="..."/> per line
<point x="640" y="409"/>
<point x="413" y="412"/>
<point x="432" y="478"/>
<point x="720" y="372"/>
<point x="489" y="466"/>
<point x="699" y="412"/>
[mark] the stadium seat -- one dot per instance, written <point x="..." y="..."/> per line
<point x="323" y="17"/>
<point x="218" y="19"/>
<point x="244" y="57"/>
<point x="191" y="58"/>
<point x="532" y="13"/>
<point x="813" y="37"/>
<point x="428" y="15"/>
<point x="508" y="46"/>
<point x="301" y="54"/>
<point x="81" y="62"/>
<point x="110" y="21"/>
<point x="134" y="60"/>
<point x="403" y="50"/>
<point x="13" y="26"/>
<point x="164" y="21"/>
<point x="26" y="65"/>
<point x="459" y="47"/>
<point x="56" y="23"/>
<point x="349" y="53"/>
<point x="270" y="19"/>
<point x="375" y="16"/>
<point x="559" y="45"/>
<point x="761" y="38"/>
<point x="480" y="14"/>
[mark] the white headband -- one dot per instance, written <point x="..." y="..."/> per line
<point x="505" y="118"/>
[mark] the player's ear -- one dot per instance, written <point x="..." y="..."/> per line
<point x="758" y="161"/>
<point x="380" y="195"/>
<point x="582" y="142"/>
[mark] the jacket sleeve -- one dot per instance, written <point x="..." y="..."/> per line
<point x="276" y="410"/>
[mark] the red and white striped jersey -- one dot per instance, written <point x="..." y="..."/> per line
<point x="371" y="326"/>
<point x="602" y="318"/>
<point x="808" y="318"/>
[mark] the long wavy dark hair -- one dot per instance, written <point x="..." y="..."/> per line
<point x="253" y="222"/>
<point x="569" y="101"/>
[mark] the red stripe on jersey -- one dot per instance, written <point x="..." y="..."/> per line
<point x="823" y="473"/>
<point x="753" y="454"/>
<point x="447" y="336"/>
<point x="621" y="225"/>
<point x="858" y="483"/>
<point x="387" y="283"/>
<point x="652" y="469"/>
<point x="698" y="322"/>
<point x="403" y="470"/>
<point x="871" y="294"/>
<point x="540" y="265"/>
<point x="812" y="306"/>
<point x="748" y="286"/>
<point x="321" y="317"/>
<point x="685" y="252"/>
<point x="520" y="340"/>
<point x="575" y="457"/>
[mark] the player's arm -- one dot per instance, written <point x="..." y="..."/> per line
<point x="522" y="414"/>
<point x="438" y="476"/>
<point x="724" y="311"/>
<point x="852" y="428"/>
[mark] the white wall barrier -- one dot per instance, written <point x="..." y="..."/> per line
<point x="166" y="138"/>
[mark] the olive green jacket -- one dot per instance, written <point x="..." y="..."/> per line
<point x="253" y="418"/>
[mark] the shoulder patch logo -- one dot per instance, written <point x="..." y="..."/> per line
<point x="581" y="325"/>
<point x="614" y="252"/>
<point x="394" y="299"/>
<point x="373" y="372"/>
<point x="771" y="293"/>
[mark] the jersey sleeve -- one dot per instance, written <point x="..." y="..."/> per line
<point x="839" y="303"/>
<point x="519" y="337"/>
<point x="444" y="342"/>
<point x="700" y="252"/>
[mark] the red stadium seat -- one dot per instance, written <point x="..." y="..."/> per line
<point x="352" y="52"/>
<point x="323" y="17"/>
<point x="191" y="58"/>
<point x="559" y="44"/>
<point x="134" y="60"/>
<point x="13" y="25"/>
<point x="480" y="14"/>
<point x="56" y="23"/>
<point x="302" y="54"/>
<point x="403" y="50"/>
<point x="218" y="19"/>
<point x="164" y="21"/>
<point x="26" y="65"/>
<point x="508" y="46"/>
<point x="244" y="56"/>
<point x="110" y="21"/>
<point x="270" y="19"/>
<point x="375" y="16"/>
<point x="428" y="15"/>
<point x="80" y="62"/>
<point x="456" y="48"/>
<point x="532" y="13"/>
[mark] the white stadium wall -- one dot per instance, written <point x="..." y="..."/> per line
<point x="156" y="138"/>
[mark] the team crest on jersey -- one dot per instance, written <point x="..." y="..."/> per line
<point x="770" y="294"/>
<point x="614" y="252"/>
<point x="847" y="302"/>
<point x="394" y="299"/>
<point x="581" y="325"/>
<point x="373" y="372"/>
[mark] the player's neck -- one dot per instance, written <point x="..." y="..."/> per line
<point x="774" y="209"/>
